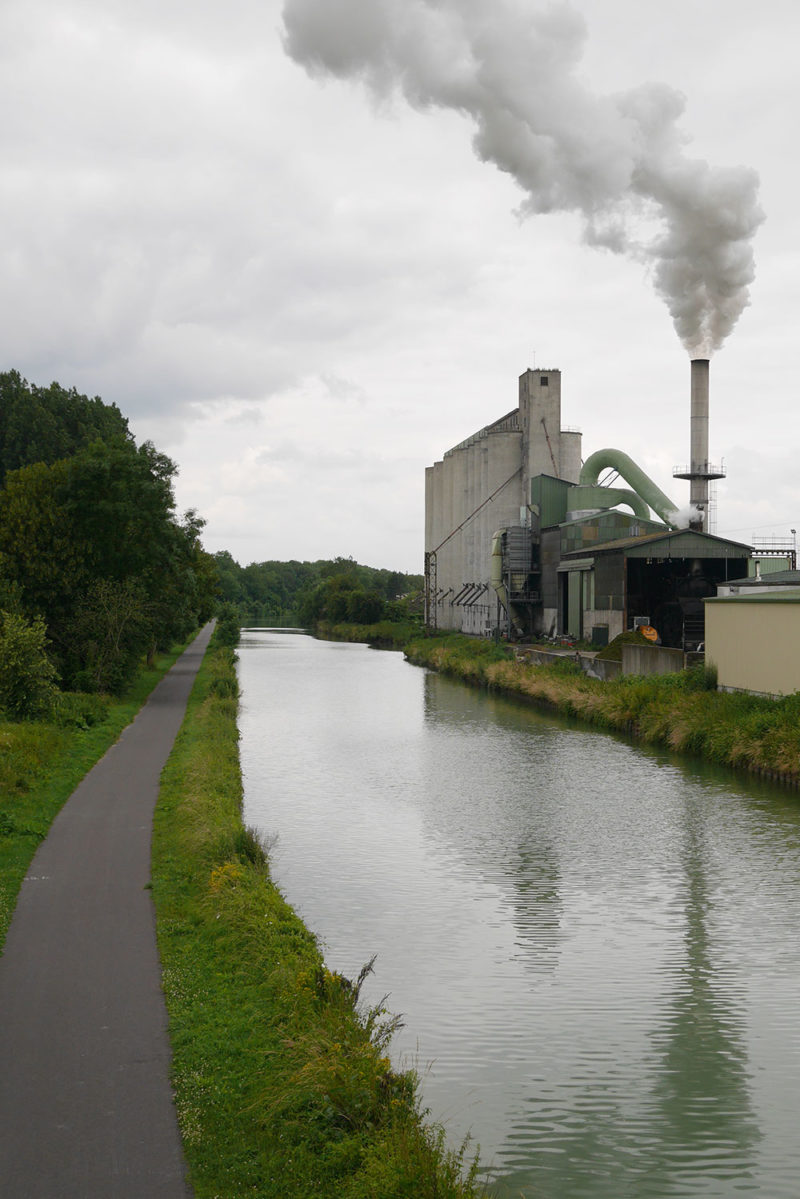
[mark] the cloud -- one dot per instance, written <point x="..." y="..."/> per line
<point x="247" y="259"/>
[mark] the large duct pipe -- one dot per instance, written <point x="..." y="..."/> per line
<point x="698" y="485"/>
<point x="641" y="483"/>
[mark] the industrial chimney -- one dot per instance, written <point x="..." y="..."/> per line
<point x="698" y="454"/>
<point x="699" y="471"/>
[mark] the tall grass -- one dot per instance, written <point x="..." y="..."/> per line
<point x="282" y="1079"/>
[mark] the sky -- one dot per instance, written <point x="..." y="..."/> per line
<point x="288" y="242"/>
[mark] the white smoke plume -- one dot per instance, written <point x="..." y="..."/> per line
<point x="683" y="517"/>
<point x="616" y="161"/>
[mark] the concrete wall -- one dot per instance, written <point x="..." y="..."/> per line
<point x="544" y="657"/>
<point x="599" y="668"/>
<point x="590" y="664"/>
<point x="603" y="616"/>
<point x="505" y="455"/>
<point x="571" y="448"/>
<point x="454" y="489"/>
<point x="755" y="646"/>
<point x="540" y="401"/>
<point x="651" y="659"/>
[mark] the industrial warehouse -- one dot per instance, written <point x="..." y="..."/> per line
<point x="523" y="540"/>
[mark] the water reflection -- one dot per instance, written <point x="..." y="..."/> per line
<point x="701" y="1093"/>
<point x="593" y="945"/>
<point x="691" y="1128"/>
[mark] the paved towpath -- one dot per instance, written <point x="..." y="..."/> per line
<point x="86" y="1108"/>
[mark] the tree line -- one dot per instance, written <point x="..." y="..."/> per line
<point x="285" y="594"/>
<point x="97" y="569"/>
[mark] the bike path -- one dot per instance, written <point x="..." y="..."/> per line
<point x="86" y="1106"/>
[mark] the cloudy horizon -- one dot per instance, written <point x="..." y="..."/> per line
<point x="305" y="296"/>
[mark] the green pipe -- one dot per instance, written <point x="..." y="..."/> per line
<point x="592" y="495"/>
<point x="641" y="483"/>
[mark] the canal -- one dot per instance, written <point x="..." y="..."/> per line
<point x="594" y="946"/>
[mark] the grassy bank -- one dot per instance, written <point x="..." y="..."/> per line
<point x="42" y="762"/>
<point x="677" y="711"/>
<point x="282" y="1081"/>
<point x="385" y="634"/>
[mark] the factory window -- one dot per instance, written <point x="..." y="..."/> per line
<point x="543" y="380"/>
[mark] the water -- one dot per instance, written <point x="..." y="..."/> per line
<point x="595" y="947"/>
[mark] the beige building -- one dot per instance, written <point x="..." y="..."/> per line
<point x="753" y="639"/>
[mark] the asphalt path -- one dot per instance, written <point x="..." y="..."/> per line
<point x="86" y="1107"/>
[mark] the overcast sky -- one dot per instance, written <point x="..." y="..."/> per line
<point x="306" y="294"/>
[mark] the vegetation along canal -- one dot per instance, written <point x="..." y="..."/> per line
<point x="596" y="946"/>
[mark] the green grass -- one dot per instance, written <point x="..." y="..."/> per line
<point x="42" y="762"/>
<point x="384" y="634"/>
<point x="283" y="1084"/>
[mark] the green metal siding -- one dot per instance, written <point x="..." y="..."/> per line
<point x="780" y="596"/>
<point x="609" y="572"/>
<point x="687" y="545"/>
<point x="606" y="526"/>
<point x="550" y="497"/>
<point x="550" y="558"/>
<point x="575" y="589"/>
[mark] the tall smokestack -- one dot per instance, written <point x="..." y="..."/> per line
<point x="699" y="471"/>
<point x="698" y="466"/>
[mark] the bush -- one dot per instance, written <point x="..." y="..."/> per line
<point x="564" y="666"/>
<point x="105" y="640"/>
<point x="228" y="629"/>
<point x="79" y="710"/>
<point x="27" y="676"/>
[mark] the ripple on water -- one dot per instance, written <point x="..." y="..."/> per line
<point x="594" y="947"/>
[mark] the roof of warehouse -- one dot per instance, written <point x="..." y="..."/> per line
<point x="786" y="595"/>
<point x="673" y="536"/>
<point x="773" y="578"/>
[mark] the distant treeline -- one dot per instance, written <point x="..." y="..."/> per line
<point x="97" y="570"/>
<point x="303" y="593"/>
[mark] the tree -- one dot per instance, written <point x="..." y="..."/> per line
<point x="40" y="560"/>
<point x="288" y="593"/>
<point x="227" y="632"/>
<point x="364" y="607"/>
<point x="27" y="676"/>
<point x="341" y="598"/>
<point x="92" y="544"/>
<point x="107" y="635"/>
<point x="45" y="424"/>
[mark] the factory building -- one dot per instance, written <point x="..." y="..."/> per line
<point x="483" y="485"/>
<point x="522" y="538"/>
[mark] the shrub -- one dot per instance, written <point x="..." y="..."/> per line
<point x="78" y="710"/>
<point x="27" y="676"/>
<point x="228" y="629"/>
<point x="106" y="638"/>
<point x="564" y="666"/>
